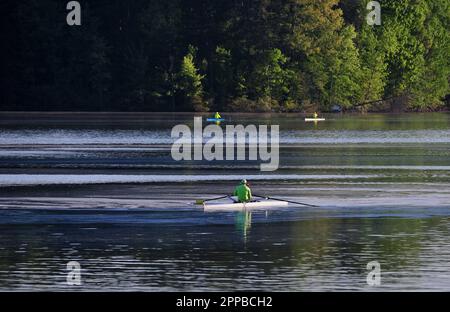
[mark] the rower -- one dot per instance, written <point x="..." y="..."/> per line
<point x="243" y="192"/>
<point x="217" y="115"/>
<point x="315" y="115"/>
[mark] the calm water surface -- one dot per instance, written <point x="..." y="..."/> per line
<point x="103" y="190"/>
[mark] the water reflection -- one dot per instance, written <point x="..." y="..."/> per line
<point x="243" y="222"/>
<point x="314" y="254"/>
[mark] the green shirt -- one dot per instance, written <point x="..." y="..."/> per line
<point x="243" y="193"/>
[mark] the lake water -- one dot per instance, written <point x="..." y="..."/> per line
<point x="103" y="190"/>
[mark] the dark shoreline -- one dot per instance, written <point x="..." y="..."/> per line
<point x="187" y="113"/>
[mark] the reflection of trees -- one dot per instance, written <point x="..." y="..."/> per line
<point x="213" y="255"/>
<point x="414" y="121"/>
<point x="24" y="255"/>
<point x="351" y="243"/>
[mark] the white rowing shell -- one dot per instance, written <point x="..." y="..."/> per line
<point x="241" y="206"/>
<point x="314" y="119"/>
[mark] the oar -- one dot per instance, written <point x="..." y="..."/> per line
<point x="289" y="201"/>
<point x="201" y="201"/>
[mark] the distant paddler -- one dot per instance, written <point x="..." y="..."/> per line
<point x="243" y="192"/>
<point x="216" y="118"/>
<point x="315" y="118"/>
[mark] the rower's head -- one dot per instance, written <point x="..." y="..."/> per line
<point x="244" y="181"/>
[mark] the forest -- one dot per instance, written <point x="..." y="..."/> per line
<point x="225" y="55"/>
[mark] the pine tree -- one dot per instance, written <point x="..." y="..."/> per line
<point x="431" y="87"/>
<point x="373" y="66"/>
<point x="330" y="57"/>
<point x="190" y="82"/>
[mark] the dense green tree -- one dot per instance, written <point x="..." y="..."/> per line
<point x="270" y="76"/>
<point x="222" y="76"/>
<point x="190" y="82"/>
<point x="373" y="67"/>
<point x="32" y="56"/>
<point x="83" y="64"/>
<point x="331" y="58"/>
<point x="260" y="55"/>
<point x="404" y="50"/>
<point x="432" y="85"/>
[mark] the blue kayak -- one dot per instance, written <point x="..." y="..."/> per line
<point x="215" y="119"/>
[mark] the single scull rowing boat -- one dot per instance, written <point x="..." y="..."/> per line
<point x="264" y="203"/>
<point x="260" y="204"/>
